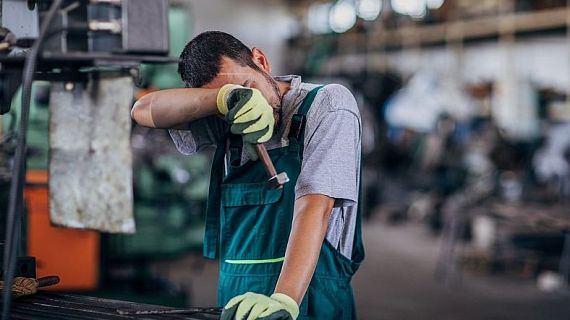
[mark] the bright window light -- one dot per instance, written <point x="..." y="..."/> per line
<point x="369" y="9"/>
<point x="342" y="16"/>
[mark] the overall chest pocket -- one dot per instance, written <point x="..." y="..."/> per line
<point x="256" y="223"/>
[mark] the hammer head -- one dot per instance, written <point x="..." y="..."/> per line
<point x="278" y="181"/>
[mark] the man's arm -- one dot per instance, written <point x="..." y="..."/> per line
<point x="324" y="182"/>
<point x="310" y="223"/>
<point x="332" y="133"/>
<point x="174" y="107"/>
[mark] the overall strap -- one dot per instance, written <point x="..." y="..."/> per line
<point x="358" y="245"/>
<point x="236" y="145"/>
<point x="297" y="128"/>
<point x="212" y="235"/>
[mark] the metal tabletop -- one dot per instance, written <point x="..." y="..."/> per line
<point x="48" y="305"/>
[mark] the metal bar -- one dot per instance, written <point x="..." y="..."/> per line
<point x="480" y="27"/>
<point x="169" y="311"/>
<point x="46" y="305"/>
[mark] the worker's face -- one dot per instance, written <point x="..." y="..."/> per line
<point x="233" y="72"/>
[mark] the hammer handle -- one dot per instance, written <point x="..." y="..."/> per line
<point x="264" y="156"/>
<point x="48" y="281"/>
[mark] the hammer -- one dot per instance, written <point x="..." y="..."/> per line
<point x="275" y="181"/>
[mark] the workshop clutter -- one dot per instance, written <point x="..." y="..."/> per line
<point x="464" y="115"/>
<point x="469" y="132"/>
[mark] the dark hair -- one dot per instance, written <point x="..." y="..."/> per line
<point x="201" y="58"/>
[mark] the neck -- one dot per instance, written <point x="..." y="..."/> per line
<point x="283" y="87"/>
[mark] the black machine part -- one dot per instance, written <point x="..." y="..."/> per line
<point x="25" y="266"/>
<point x="10" y="81"/>
<point x="15" y="205"/>
<point x="56" y="63"/>
<point x="83" y="36"/>
<point x="121" y="27"/>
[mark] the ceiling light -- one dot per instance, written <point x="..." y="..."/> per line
<point x="342" y="16"/>
<point x="369" y="9"/>
<point x="434" y="4"/>
<point x="414" y="8"/>
<point x="318" y="18"/>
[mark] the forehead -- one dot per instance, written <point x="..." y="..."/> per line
<point x="231" y="72"/>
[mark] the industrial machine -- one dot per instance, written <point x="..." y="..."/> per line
<point x="89" y="51"/>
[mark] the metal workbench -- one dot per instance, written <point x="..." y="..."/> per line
<point x="48" y="305"/>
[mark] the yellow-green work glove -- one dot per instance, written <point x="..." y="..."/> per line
<point x="247" y="111"/>
<point x="251" y="306"/>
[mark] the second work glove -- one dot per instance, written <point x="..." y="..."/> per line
<point x="247" y="111"/>
<point x="250" y="306"/>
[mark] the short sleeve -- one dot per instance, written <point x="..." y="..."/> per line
<point x="331" y="156"/>
<point x="198" y="134"/>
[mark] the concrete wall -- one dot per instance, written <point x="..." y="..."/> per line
<point x="263" y="24"/>
<point x="544" y="61"/>
<point x="518" y="70"/>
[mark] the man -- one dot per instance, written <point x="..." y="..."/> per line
<point x="284" y="253"/>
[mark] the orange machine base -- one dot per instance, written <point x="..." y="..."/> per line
<point x="73" y="255"/>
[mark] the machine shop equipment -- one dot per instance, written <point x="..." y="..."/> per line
<point x="89" y="50"/>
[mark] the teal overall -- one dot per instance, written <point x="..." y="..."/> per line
<point x="248" y="225"/>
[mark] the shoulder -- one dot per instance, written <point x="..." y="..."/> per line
<point x="332" y="99"/>
<point x="335" y="97"/>
<point x="334" y="108"/>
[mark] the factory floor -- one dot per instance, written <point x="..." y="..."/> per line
<point x="396" y="282"/>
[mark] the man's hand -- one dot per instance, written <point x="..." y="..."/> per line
<point x="251" y="306"/>
<point x="247" y="111"/>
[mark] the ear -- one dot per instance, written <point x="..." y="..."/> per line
<point x="260" y="60"/>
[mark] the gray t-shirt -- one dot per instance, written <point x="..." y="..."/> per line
<point x="331" y="157"/>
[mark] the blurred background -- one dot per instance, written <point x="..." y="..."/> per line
<point x="466" y="158"/>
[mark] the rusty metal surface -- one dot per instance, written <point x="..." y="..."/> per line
<point x="90" y="165"/>
<point x="48" y="305"/>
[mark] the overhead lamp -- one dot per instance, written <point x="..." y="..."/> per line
<point x="342" y="16"/>
<point x="434" y="4"/>
<point x="318" y="18"/>
<point x="369" y="9"/>
<point x="413" y="8"/>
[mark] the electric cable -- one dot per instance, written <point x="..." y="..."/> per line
<point x="13" y="223"/>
